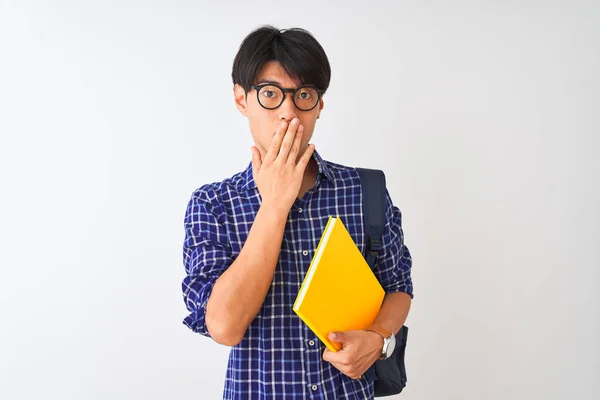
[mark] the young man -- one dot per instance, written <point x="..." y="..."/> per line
<point x="249" y="239"/>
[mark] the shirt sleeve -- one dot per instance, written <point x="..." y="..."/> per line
<point x="393" y="268"/>
<point x="206" y="255"/>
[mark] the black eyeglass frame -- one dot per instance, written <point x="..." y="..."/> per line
<point x="284" y="91"/>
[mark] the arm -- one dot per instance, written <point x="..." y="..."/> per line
<point x="393" y="313"/>
<point x="240" y="291"/>
<point x="393" y="270"/>
<point x="224" y="295"/>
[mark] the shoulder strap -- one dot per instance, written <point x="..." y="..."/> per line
<point x="372" y="183"/>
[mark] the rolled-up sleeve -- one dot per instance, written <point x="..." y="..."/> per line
<point x="394" y="263"/>
<point x="206" y="254"/>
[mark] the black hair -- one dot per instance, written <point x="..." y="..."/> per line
<point x="296" y="50"/>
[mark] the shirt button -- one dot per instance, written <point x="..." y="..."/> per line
<point x="305" y="252"/>
<point x="312" y="343"/>
<point x="300" y="210"/>
<point x="314" y="387"/>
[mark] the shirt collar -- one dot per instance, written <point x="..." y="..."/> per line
<point x="324" y="169"/>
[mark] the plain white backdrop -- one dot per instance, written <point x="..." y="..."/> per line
<point x="484" y="115"/>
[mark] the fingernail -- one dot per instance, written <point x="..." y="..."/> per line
<point x="283" y="124"/>
<point x="294" y="121"/>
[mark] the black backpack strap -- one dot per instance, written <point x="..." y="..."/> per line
<point x="372" y="182"/>
<point x="389" y="374"/>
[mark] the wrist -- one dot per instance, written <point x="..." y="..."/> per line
<point x="376" y="340"/>
<point x="388" y="338"/>
<point x="274" y="212"/>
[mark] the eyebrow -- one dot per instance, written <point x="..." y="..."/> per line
<point x="270" y="82"/>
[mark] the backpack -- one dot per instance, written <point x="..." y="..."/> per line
<point x="390" y="373"/>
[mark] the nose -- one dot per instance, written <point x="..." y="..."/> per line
<point x="287" y="110"/>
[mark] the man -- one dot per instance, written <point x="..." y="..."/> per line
<point x="249" y="239"/>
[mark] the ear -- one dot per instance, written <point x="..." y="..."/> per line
<point x="239" y="95"/>
<point x="321" y="105"/>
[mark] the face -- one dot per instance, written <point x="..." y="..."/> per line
<point x="263" y="122"/>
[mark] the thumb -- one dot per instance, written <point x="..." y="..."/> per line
<point x="256" y="159"/>
<point x="338" y="337"/>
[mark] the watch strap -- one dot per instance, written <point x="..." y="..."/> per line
<point x="380" y="330"/>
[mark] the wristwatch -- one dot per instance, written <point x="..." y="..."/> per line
<point x="389" y="340"/>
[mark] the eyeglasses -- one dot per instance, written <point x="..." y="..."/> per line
<point x="271" y="96"/>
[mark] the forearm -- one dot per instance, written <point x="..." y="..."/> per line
<point x="240" y="291"/>
<point x="394" y="311"/>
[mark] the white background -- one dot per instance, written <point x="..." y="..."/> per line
<point x="483" y="114"/>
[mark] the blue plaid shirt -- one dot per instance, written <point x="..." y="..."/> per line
<point x="279" y="356"/>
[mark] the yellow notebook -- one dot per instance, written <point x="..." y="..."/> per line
<point x="340" y="291"/>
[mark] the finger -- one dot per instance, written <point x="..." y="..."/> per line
<point x="256" y="160"/>
<point x="296" y="146"/>
<point x="303" y="162"/>
<point x="354" y="376"/>
<point x="276" y="142"/>
<point x="336" y="337"/>
<point x="345" y="369"/>
<point x="327" y="354"/>
<point x="338" y="359"/>
<point x="286" y="144"/>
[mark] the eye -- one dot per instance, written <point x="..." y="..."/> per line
<point x="269" y="93"/>
<point x="304" y="95"/>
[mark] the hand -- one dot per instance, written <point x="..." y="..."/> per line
<point x="278" y="176"/>
<point x="360" y="349"/>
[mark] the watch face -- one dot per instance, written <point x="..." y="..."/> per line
<point x="390" y="347"/>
